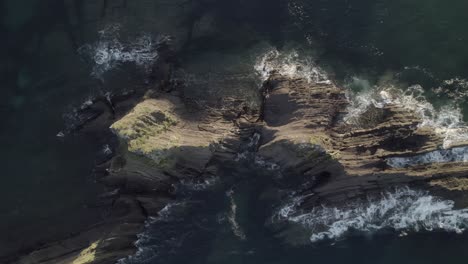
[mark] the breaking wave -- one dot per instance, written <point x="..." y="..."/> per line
<point x="289" y="64"/>
<point x="446" y="121"/>
<point x="402" y="210"/>
<point x="109" y="52"/>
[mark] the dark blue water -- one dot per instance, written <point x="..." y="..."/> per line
<point x="47" y="184"/>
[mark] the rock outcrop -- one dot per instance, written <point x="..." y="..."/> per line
<point x="303" y="120"/>
<point x="163" y="140"/>
<point x="166" y="139"/>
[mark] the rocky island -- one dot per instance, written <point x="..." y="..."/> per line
<point x="297" y="126"/>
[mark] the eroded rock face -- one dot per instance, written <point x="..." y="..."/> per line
<point x="299" y="115"/>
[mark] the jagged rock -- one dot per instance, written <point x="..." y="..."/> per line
<point x="299" y="115"/>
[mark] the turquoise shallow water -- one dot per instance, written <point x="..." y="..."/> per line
<point x="47" y="185"/>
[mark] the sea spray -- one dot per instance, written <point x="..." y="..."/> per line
<point x="402" y="210"/>
<point x="110" y="51"/>
<point x="446" y="121"/>
<point x="289" y="64"/>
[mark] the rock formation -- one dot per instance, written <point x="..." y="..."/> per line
<point x="167" y="138"/>
<point x="164" y="140"/>
<point x="303" y="120"/>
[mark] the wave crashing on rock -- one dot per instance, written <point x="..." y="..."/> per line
<point x="446" y="121"/>
<point x="402" y="210"/>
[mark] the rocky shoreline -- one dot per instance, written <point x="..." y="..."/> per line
<point x="165" y="137"/>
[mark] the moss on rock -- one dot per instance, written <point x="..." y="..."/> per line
<point x="144" y="121"/>
<point x="87" y="255"/>
<point x="142" y="129"/>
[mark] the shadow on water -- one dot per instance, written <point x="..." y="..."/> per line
<point x="220" y="221"/>
<point x="229" y="221"/>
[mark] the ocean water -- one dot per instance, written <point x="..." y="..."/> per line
<point x="250" y="217"/>
<point x="56" y="54"/>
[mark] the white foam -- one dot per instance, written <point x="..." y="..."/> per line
<point x="259" y="161"/>
<point x="205" y="184"/>
<point x="446" y="121"/>
<point x="249" y="150"/>
<point x="417" y="68"/>
<point x="455" y="88"/>
<point x="298" y="12"/>
<point x="110" y="51"/>
<point x="402" y="210"/>
<point x="289" y="64"/>
<point x="459" y="154"/>
<point x="107" y="149"/>
<point x="232" y="217"/>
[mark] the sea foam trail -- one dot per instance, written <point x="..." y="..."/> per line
<point x="110" y="51"/>
<point x="232" y="217"/>
<point x="446" y="121"/>
<point x="403" y="210"/>
<point x="459" y="154"/>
